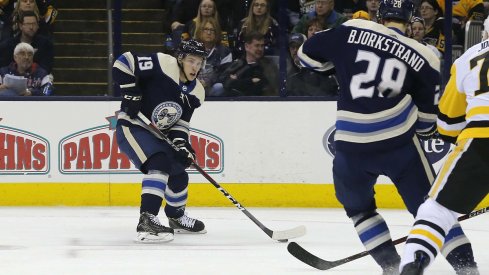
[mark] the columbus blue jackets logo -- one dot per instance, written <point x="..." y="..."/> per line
<point x="166" y="114"/>
<point x="435" y="149"/>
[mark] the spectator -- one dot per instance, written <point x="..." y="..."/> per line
<point x="251" y="75"/>
<point x="372" y="8"/>
<point x="417" y="31"/>
<point x="183" y="11"/>
<point x="38" y="81"/>
<point x="433" y="20"/>
<point x="259" y="20"/>
<point x="293" y="63"/>
<point x="324" y="10"/>
<point x="209" y="33"/>
<point x="361" y="15"/>
<point x="463" y="11"/>
<point x="305" y="82"/>
<point x="48" y="13"/>
<point x="313" y="26"/>
<point x="206" y="9"/>
<point x="28" y="26"/>
<point x="349" y="7"/>
<point x="45" y="23"/>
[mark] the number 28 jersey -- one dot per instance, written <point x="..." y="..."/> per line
<point x="388" y="83"/>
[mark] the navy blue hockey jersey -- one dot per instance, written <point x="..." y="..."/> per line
<point x="166" y="101"/>
<point x="387" y="83"/>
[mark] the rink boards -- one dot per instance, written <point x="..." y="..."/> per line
<point x="263" y="153"/>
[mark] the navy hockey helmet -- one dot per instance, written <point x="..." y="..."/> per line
<point x="399" y="10"/>
<point x="192" y="47"/>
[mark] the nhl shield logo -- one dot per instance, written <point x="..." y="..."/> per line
<point x="166" y="114"/>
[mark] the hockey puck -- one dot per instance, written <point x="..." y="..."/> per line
<point x="283" y="241"/>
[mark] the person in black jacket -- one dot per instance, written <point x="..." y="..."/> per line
<point x="252" y="75"/>
<point x="29" y="25"/>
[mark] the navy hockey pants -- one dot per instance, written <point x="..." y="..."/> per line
<point x="355" y="175"/>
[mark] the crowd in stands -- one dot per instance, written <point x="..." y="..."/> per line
<point x="26" y="47"/>
<point x="242" y="37"/>
<point x="243" y="46"/>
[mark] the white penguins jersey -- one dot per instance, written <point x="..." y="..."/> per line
<point x="464" y="106"/>
<point x="166" y="101"/>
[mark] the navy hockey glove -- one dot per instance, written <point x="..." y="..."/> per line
<point x="185" y="154"/>
<point x="131" y="104"/>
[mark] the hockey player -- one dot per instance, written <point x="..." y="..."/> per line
<point x="165" y="90"/>
<point x="462" y="182"/>
<point x="387" y="97"/>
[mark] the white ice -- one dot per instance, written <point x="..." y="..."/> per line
<point x="98" y="240"/>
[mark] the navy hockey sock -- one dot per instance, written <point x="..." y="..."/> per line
<point x="150" y="203"/>
<point x="375" y="236"/>
<point x="462" y="258"/>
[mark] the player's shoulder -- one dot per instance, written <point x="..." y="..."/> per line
<point x="370" y="26"/>
<point x="165" y="59"/>
<point x="474" y="51"/>
<point x="199" y="91"/>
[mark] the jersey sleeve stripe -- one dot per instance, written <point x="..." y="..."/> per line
<point x="310" y="63"/>
<point x="130" y="85"/>
<point x="123" y="67"/>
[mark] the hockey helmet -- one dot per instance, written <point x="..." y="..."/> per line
<point x="400" y="10"/>
<point x="192" y="47"/>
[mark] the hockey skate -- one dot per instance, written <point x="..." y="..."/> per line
<point x="150" y="230"/>
<point x="187" y="225"/>
<point x="421" y="261"/>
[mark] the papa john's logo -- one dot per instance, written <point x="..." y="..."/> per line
<point x="22" y="152"/>
<point x="435" y="149"/>
<point x="95" y="151"/>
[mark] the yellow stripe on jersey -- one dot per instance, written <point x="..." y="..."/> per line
<point x="479" y="132"/>
<point x="452" y="108"/>
<point x="447" y="168"/>
<point x="483" y="111"/>
<point x="428" y="235"/>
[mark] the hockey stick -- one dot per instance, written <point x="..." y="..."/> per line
<point x="281" y="236"/>
<point x="306" y="257"/>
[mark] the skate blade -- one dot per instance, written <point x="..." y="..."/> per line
<point x="183" y="231"/>
<point x="145" y="237"/>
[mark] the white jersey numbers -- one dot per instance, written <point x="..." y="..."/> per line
<point x="392" y="76"/>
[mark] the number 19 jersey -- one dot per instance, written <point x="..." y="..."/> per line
<point x="388" y="83"/>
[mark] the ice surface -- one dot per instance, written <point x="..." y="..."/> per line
<point x="99" y="240"/>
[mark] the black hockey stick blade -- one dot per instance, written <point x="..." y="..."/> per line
<point x="308" y="258"/>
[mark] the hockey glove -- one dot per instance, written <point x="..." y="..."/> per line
<point x="185" y="154"/>
<point x="131" y="104"/>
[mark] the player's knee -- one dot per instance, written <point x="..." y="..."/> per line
<point x="158" y="162"/>
<point x="178" y="183"/>
<point x="433" y="211"/>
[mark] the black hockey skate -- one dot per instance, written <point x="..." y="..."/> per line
<point x="187" y="225"/>
<point x="421" y="261"/>
<point x="150" y="230"/>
